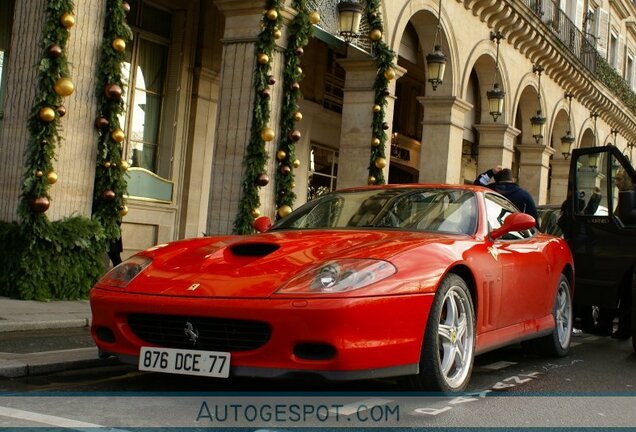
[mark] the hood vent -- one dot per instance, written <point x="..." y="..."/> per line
<point x="254" y="249"/>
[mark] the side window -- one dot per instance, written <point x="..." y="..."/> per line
<point x="591" y="184"/>
<point x="497" y="210"/>
<point x="623" y="194"/>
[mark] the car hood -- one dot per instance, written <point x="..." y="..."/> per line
<point x="256" y="266"/>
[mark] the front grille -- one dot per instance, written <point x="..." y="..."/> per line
<point x="214" y="334"/>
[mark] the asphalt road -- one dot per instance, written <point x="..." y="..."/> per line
<point x="594" y="386"/>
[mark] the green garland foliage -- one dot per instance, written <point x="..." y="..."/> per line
<point x="300" y="30"/>
<point x="612" y="79"/>
<point x="256" y="154"/>
<point x="384" y="57"/>
<point x="110" y="181"/>
<point x="63" y="264"/>
<point x="44" y="135"/>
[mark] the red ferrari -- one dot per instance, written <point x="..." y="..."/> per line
<point x="398" y="280"/>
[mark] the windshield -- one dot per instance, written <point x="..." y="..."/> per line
<point x="443" y="210"/>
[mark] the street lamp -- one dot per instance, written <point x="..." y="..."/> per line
<point x="436" y="61"/>
<point x="614" y="132"/>
<point x="568" y="139"/>
<point x="496" y="95"/>
<point x="594" y="115"/>
<point x="538" y="120"/>
<point x="350" y="16"/>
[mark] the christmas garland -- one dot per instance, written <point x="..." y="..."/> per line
<point x="53" y="83"/>
<point x="384" y="57"/>
<point x="261" y="132"/>
<point x="109" y="204"/>
<point x="300" y="30"/>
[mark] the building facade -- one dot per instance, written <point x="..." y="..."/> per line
<point x="189" y="95"/>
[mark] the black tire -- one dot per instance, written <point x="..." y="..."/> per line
<point x="448" y="349"/>
<point x="557" y="343"/>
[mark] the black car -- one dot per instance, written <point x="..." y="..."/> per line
<point x="598" y="220"/>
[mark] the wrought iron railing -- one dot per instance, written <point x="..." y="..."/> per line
<point x="582" y="46"/>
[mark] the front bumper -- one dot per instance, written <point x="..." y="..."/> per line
<point x="372" y="336"/>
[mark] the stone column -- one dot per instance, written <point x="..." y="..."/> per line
<point x="559" y="183"/>
<point x="242" y="26"/>
<point x="442" y="135"/>
<point x="357" y="116"/>
<point x="534" y="169"/>
<point x="496" y="145"/>
<point x="75" y="165"/>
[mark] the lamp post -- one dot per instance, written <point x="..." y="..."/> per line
<point x="350" y="16"/>
<point x="594" y="115"/>
<point x="496" y="96"/>
<point x="614" y="132"/>
<point x="568" y="139"/>
<point x="436" y="61"/>
<point x="538" y="120"/>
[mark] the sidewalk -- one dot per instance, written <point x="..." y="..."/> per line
<point x="24" y="315"/>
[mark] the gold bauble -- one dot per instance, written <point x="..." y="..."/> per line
<point x="47" y="114"/>
<point x="255" y="213"/>
<point x="119" y="45"/>
<point x="389" y="74"/>
<point x="375" y="35"/>
<point x="377" y="108"/>
<point x="277" y="34"/>
<point x="298" y="116"/>
<point x="281" y="155"/>
<point x="296" y="163"/>
<point x="371" y="180"/>
<point x="314" y="17"/>
<point x="124" y="165"/>
<point x="124" y="210"/>
<point x="263" y="59"/>
<point x="51" y="177"/>
<point x="39" y="173"/>
<point x="272" y="14"/>
<point x="107" y="164"/>
<point x="267" y="134"/>
<point x="67" y="20"/>
<point x="118" y="135"/>
<point x="284" y="210"/>
<point x="380" y="163"/>
<point x="64" y="87"/>
<point x="299" y="70"/>
<point x="292" y="185"/>
<point x="375" y="142"/>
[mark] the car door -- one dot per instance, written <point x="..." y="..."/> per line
<point x="524" y="267"/>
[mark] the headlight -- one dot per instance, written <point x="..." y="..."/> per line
<point x="338" y="277"/>
<point x="125" y="272"/>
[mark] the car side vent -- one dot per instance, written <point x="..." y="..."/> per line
<point x="254" y="249"/>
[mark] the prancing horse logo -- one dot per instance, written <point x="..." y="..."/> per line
<point x="191" y="332"/>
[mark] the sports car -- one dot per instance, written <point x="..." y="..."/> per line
<point x="381" y="281"/>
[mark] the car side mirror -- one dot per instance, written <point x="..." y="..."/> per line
<point x="262" y="224"/>
<point x="514" y="222"/>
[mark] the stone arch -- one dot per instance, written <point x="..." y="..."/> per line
<point x="525" y="106"/>
<point x="587" y="137"/>
<point x="561" y="124"/>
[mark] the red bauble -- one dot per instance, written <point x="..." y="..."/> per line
<point x="113" y="91"/>
<point x="108" y="195"/>
<point x="126" y="7"/>
<point x="262" y="180"/>
<point x="266" y="93"/>
<point x="295" y="135"/>
<point x="300" y="51"/>
<point x="295" y="86"/>
<point x="271" y="80"/>
<point x="40" y="204"/>
<point x="55" y="50"/>
<point x="101" y="122"/>
<point x="385" y="125"/>
<point x="61" y="110"/>
<point x="285" y="169"/>
<point x="262" y="223"/>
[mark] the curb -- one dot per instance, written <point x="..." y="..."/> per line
<point x="14" y="325"/>
<point x="22" y="365"/>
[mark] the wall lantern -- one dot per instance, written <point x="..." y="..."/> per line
<point x="593" y="160"/>
<point x="436" y="61"/>
<point x="568" y="139"/>
<point x="614" y="132"/>
<point x="538" y="120"/>
<point x="496" y="96"/>
<point x="350" y="16"/>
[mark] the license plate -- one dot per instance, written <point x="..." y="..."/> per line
<point x="186" y="362"/>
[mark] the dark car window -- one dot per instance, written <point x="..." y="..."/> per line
<point x="419" y="209"/>
<point x="497" y="210"/>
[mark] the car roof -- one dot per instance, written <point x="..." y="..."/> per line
<point x="474" y="188"/>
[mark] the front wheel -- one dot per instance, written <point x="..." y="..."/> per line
<point x="448" y="348"/>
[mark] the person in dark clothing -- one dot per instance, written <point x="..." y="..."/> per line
<point x="594" y="202"/>
<point x="505" y="185"/>
<point x="115" y="248"/>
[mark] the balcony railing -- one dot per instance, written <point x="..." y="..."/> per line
<point x="582" y="47"/>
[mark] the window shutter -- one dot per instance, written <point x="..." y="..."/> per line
<point x="603" y="33"/>
<point x="620" y="51"/>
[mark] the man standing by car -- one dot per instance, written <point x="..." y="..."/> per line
<point x="505" y="185"/>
